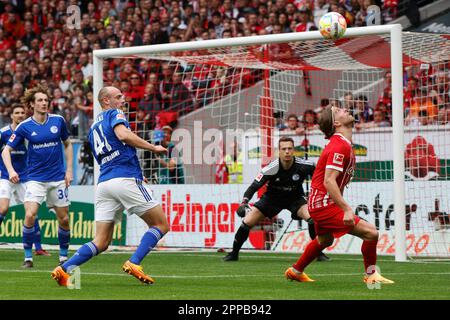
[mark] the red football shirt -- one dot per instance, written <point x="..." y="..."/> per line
<point x="337" y="155"/>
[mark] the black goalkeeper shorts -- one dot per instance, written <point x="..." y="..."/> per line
<point x="271" y="206"/>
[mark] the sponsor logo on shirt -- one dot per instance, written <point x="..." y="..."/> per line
<point x="338" y="159"/>
<point x="45" y="145"/>
<point x="35" y="134"/>
<point x="54" y="129"/>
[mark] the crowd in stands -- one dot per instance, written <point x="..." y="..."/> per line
<point x="426" y="94"/>
<point x="39" y="43"/>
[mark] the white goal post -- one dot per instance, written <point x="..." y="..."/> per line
<point x="396" y="63"/>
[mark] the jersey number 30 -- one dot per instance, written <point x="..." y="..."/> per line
<point x="100" y="141"/>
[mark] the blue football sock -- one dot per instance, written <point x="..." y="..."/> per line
<point x="2" y="217"/>
<point x="37" y="235"/>
<point x="63" y="239"/>
<point x="148" y="242"/>
<point x="86" y="252"/>
<point x="28" y="235"/>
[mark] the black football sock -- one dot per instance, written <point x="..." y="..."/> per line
<point x="240" y="237"/>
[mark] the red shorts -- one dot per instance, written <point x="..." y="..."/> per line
<point x="330" y="220"/>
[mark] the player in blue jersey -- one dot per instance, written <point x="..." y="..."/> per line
<point x="45" y="134"/>
<point x="19" y="159"/>
<point x="120" y="187"/>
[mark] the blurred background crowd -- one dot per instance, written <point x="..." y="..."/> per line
<point x="37" y="45"/>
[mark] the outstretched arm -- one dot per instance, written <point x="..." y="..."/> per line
<point x="128" y="137"/>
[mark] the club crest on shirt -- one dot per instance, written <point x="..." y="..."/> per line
<point x="295" y="177"/>
<point x="54" y="129"/>
<point x="338" y="158"/>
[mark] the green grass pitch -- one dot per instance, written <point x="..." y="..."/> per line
<point x="204" y="276"/>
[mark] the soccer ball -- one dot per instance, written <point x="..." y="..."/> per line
<point x="332" y="25"/>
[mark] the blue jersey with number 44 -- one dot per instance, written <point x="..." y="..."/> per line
<point x="45" y="150"/>
<point x="116" y="159"/>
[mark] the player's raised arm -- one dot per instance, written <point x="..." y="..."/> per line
<point x="6" y="156"/>
<point x="68" y="152"/>
<point x="128" y="137"/>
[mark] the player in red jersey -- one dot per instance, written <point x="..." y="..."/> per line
<point x="333" y="217"/>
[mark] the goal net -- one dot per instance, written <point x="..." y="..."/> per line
<point x="221" y="106"/>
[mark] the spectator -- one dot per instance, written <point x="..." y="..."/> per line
<point x="150" y="104"/>
<point x="306" y="23"/>
<point x="309" y="120"/>
<point x="217" y="23"/>
<point x="363" y="112"/>
<point x="57" y="102"/>
<point x="349" y="102"/>
<point x="78" y="81"/>
<point x="64" y="80"/>
<point x="84" y="111"/>
<point x="171" y="169"/>
<point x="86" y="65"/>
<point x="321" y="7"/>
<point x="324" y="102"/>
<point x="234" y="163"/>
<point x="379" y="121"/>
<point x="17" y="93"/>
<point x="335" y="103"/>
<point x="361" y="15"/>
<point x="444" y="115"/>
<point x="142" y="125"/>
<point x="158" y="35"/>
<point x="279" y="121"/>
<point x="293" y="126"/>
<point x="228" y="10"/>
<point x="165" y="85"/>
<point x="180" y="97"/>
<point x="422" y="103"/>
<point x="442" y="88"/>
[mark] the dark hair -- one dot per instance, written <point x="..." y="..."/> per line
<point x="292" y="115"/>
<point x="311" y="112"/>
<point x="423" y="113"/>
<point x="285" y="139"/>
<point x="278" y="114"/>
<point x="324" y="102"/>
<point x="14" y="106"/>
<point x="325" y="121"/>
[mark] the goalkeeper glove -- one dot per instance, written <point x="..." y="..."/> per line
<point x="243" y="208"/>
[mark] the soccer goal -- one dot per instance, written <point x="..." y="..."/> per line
<point x="224" y="102"/>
